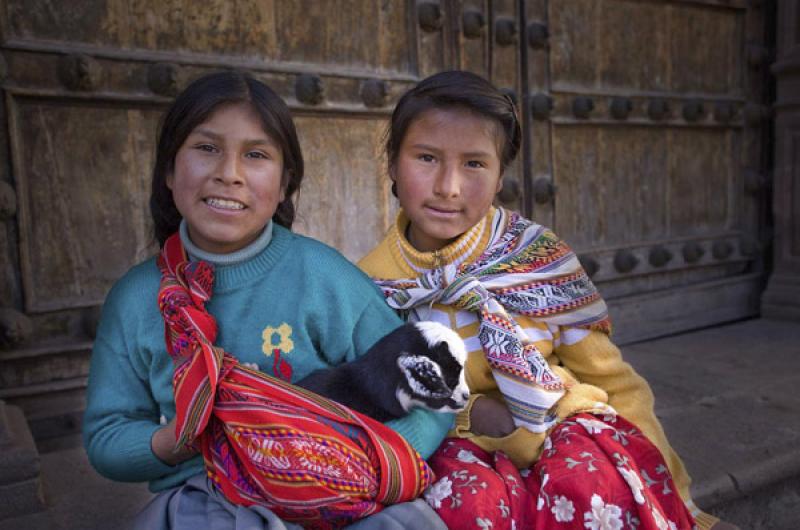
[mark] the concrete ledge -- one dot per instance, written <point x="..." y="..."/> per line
<point x="728" y="401"/>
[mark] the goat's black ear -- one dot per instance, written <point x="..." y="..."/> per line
<point x="424" y="376"/>
<point x="441" y="351"/>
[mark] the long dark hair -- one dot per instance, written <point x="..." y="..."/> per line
<point x="455" y="89"/>
<point x="195" y="105"/>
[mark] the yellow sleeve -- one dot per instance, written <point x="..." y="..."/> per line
<point x="595" y="360"/>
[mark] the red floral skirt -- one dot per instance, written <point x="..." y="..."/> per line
<point x="595" y="472"/>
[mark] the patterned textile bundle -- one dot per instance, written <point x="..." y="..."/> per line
<point x="265" y="441"/>
<point x="527" y="270"/>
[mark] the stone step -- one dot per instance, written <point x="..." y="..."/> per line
<point x="47" y="380"/>
<point x="20" y="467"/>
<point x="43" y="363"/>
<point x="54" y="409"/>
<point x="727" y="399"/>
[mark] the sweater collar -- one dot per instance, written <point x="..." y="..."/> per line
<point x="467" y="248"/>
<point x="246" y="264"/>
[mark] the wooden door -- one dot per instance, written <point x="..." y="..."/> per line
<point x="650" y="161"/>
<point x="642" y="145"/>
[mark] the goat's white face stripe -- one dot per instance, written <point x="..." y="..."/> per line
<point x="406" y="401"/>
<point x="411" y="364"/>
<point x="435" y="333"/>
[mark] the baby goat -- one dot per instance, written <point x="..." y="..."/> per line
<point x="419" y="364"/>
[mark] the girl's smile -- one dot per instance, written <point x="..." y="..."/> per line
<point x="227" y="181"/>
<point x="447" y="172"/>
<point x="225" y="204"/>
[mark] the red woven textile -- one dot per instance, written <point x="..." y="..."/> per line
<point x="596" y="473"/>
<point x="265" y="441"/>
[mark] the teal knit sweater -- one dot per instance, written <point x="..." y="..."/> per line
<point x="295" y="295"/>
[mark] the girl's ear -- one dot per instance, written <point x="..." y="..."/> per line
<point x="499" y="184"/>
<point x="170" y="180"/>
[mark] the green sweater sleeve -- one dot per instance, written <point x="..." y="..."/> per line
<point x="121" y="413"/>
<point x="120" y="419"/>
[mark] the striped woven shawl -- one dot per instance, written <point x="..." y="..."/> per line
<point x="265" y="441"/>
<point x="524" y="270"/>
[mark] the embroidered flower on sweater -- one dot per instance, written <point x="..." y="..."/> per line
<point x="438" y="492"/>
<point x="284" y="339"/>
<point x="603" y="516"/>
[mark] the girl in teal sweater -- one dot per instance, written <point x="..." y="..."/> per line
<point x="227" y="165"/>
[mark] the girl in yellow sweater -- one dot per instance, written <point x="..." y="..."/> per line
<point x="559" y="431"/>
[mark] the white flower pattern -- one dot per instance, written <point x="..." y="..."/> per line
<point x="482" y="523"/>
<point x="593" y="426"/>
<point x="563" y="509"/>
<point x="602" y="516"/>
<point x="469" y="457"/>
<point x="438" y="492"/>
<point x="635" y="483"/>
<point x="661" y="523"/>
<point x="562" y="506"/>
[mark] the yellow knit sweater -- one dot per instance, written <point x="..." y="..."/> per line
<point x="587" y="361"/>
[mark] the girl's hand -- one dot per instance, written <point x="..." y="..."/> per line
<point x="163" y="444"/>
<point x="488" y="417"/>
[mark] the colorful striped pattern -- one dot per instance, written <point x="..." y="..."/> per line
<point x="265" y="441"/>
<point x="527" y="270"/>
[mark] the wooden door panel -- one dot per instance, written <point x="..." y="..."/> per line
<point x="706" y="49"/>
<point x="299" y="31"/>
<point x="472" y="18"/>
<point x="650" y="137"/>
<point x="241" y="27"/>
<point x="646" y="46"/>
<point x="83" y="182"/>
<point x="345" y="198"/>
<point x="606" y="191"/>
<point x="701" y="180"/>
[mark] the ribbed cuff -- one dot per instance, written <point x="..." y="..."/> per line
<point x="139" y="455"/>
<point x="423" y="429"/>
<point x="463" y="422"/>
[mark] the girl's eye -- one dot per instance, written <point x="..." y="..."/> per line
<point x="257" y="155"/>
<point x="208" y="148"/>
<point x="426" y="158"/>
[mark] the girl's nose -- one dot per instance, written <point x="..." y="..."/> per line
<point x="448" y="182"/>
<point x="229" y="171"/>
